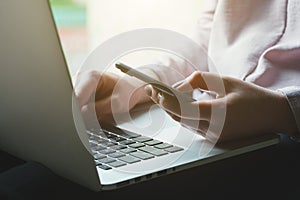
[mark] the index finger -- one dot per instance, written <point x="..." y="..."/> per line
<point x="85" y="85"/>
<point x="197" y="110"/>
<point x="205" y="81"/>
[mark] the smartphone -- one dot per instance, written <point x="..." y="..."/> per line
<point x="162" y="87"/>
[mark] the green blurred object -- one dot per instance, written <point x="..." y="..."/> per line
<point x="68" y="13"/>
<point x="63" y="3"/>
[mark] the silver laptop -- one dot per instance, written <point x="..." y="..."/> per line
<point x="40" y="120"/>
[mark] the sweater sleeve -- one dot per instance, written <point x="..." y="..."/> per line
<point x="293" y="96"/>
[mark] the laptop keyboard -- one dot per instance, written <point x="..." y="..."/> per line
<point x="112" y="150"/>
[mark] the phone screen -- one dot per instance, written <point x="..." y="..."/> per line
<point x="155" y="83"/>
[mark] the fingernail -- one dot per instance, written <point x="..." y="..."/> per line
<point x="148" y="90"/>
<point x="159" y="96"/>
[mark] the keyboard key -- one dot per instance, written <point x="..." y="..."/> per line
<point x="94" y="152"/>
<point x="119" y="139"/>
<point x="173" y="149"/>
<point x="117" y="164"/>
<point x="89" y="133"/>
<point x="117" y="147"/>
<point x="108" y="144"/>
<point x="129" y="135"/>
<point x="95" y="135"/>
<point x="92" y="137"/>
<point x="114" y="139"/>
<point x="129" y="159"/>
<point x="98" y="148"/>
<point x="136" y="145"/>
<point x="116" y="154"/>
<point x="99" y="156"/>
<point x="128" y="150"/>
<point x="142" y="155"/>
<point x="107" y="151"/>
<point x="163" y="146"/>
<point x="105" y="167"/>
<point x="142" y="139"/>
<point x="110" y="136"/>
<point x="97" y="162"/>
<point x="152" y="150"/>
<point x="106" y="160"/>
<point x="92" y="144"/>
<point x="153" y="142"/>
<point x="127" y="142"/>
<point x="99" y="140"/>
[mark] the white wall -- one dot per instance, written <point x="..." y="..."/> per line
<point x="107" y="18"/>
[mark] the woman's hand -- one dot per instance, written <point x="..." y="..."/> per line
<point x="106" y="93"/>
<point x="249" y="109"/>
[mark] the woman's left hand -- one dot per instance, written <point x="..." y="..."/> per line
<point x="244" y="108"/>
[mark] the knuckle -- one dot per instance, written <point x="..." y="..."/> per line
<point x="194" y="78"/>
<point x="227" y="81"/>
<point x="93" y="73"/>
<point x="226" y="78"/>
<point x="196" y="75"/>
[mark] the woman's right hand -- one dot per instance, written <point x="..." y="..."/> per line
<point x="106" y="92"/>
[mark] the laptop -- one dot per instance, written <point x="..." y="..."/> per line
<point x="40" y="119"/>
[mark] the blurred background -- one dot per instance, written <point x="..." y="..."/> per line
<point x="84" y="24"/>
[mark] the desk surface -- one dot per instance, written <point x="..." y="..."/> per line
<point x="268" y="172"/>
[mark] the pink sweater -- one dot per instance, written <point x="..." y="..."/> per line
<point x="253" y="40"/>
